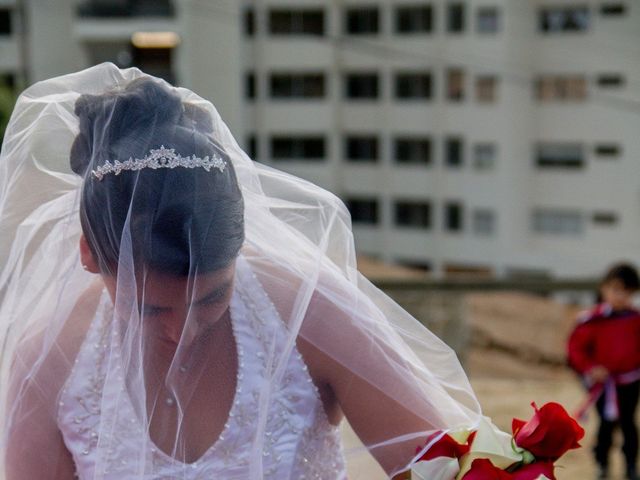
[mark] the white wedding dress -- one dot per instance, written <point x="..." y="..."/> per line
<point x="300" y="441"/>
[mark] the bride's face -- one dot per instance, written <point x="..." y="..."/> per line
<point x="177" y="310"/>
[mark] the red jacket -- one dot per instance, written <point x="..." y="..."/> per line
<point x="607" y="338"/>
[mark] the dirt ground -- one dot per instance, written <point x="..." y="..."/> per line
<point x="516" y="358"/>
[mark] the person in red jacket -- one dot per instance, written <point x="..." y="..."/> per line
<point x="604" y="348"/>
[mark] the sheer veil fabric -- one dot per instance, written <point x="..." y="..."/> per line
<point x="156" y="256"/>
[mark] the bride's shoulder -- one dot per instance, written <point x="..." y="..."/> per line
<point x="51" y="352"/>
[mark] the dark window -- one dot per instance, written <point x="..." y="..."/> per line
<point x="453" y="217"/>
<point x="413" y="85"/>
<point x="415" y="151"/>
<point x="250" y="86"/>
<point x="252" y="147"/>
<point x="5" y="22"/>
<point x="607" y="150"/>
<point x="605" y="218"/>
<point x="455" y="80"/>
<point x="411" y="213"/>
<point x="610" y="80"/>
<point x="487" y="20"/>
<point x="125" y="8"/>
<point x="363" y="210"/>
<point x="414" y="19"/>
<point x="560" y="155"/>
<point x="361" y="149"/>
<point x="361" y="85"/>
<point x="453" y="152"/>
<point x="298" y="148"/>
<point x="423" y="265"/>
<point x="362" y="21"/>
<point x="296" y="22"/>
<point x="303" y="85"/>
<point x="154" y="61"/>
<point x="563" y="19"/>
<point x="486" y="88"/>
<point x="613" y="9"/>
<point x="455" y="17"/>
<point x="408" y="213"/>
<point x="249" y="22"/>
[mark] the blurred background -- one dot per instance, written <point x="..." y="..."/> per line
<point x="488" y="150"/>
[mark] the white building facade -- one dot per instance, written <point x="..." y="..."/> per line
<point x="486" y="136"/>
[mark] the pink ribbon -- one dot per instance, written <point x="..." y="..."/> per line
<point x="611" y="409"/>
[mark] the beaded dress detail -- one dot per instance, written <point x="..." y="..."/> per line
<point x="298" y="442"/>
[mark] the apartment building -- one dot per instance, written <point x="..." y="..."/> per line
<point x="482" y="136"/>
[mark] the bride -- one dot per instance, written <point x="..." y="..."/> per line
<point x="171" y="309"/>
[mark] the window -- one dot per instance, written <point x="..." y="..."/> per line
<point x="455" y="17"/>
<point x="249" y="22"/>
<point x="613" y="9"/>
<point x="605" y="219"/>
<point x="126" y="8"/>
<point x="5" y="22"/>
<point x="563" y="19"/>
<point x="453" y="152"/>
<point x="154" y="61"/>
<point x="484" y="221"/>
<point x="487" y="20"/>
<point x="453" y="217"/>
<point x="455" y="84"/>
<point x="361" y="148"/>
<point x="610" y="80"/>
<point x="411" y="213"/>
<point x="361" y="86"/>
<point x="302" y="85"/>
<point x="362" y="21"/>
<point x="560" y="155"/>
<point x="486" y="88"/>
<point x="484" y="156"/>
<point x="250" y="86"/>
<point x="412" y="151"/>
<point x="414" y="19"/>
<point x="296" y="22"/>
<point x="413" y="85"/>
<point x="558" y="222"/>
<point x="550" y="88"/>
<point x="608" y="150"/>
<point x="252" y="146"/>
<point x="423" y="265"/>
<point x="298" y="148"/>
<point x="363" y="210"/>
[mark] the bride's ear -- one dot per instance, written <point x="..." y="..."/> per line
<point x="86" y="256"/>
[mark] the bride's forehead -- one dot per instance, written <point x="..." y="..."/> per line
<point x="154" y="281"/>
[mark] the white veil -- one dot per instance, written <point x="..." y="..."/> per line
<point x="157" y="241"/>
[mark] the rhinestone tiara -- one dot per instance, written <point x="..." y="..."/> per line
<point x="160" y="158"/>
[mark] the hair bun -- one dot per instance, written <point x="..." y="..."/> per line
<point x="143" y="107"/>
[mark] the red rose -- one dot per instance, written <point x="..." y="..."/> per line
<point x="483" y="469"/>
<point x="533" y="471"/>
<point x="549" y="434"/>
<point x="446" y="446"/>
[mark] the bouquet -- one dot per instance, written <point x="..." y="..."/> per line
<point x="486" y="453"/>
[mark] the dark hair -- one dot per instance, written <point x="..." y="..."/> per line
<point x="624" y="273"/>
<point x="180" y="220"/>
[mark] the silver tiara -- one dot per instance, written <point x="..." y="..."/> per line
<point x="160" y="158"/>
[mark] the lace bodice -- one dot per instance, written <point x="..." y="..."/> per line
<point x="299" y="441"/>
